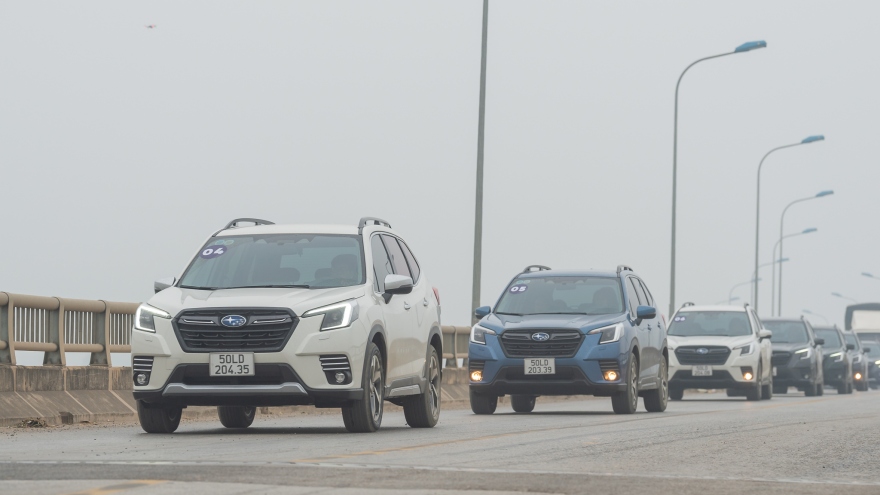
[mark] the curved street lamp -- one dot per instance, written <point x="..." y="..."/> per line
<point x="866" y="274"/>
<point x="806" y="140"/>
<point x="730" y="294"/>
<point x="838" y="294"/>
<point x="728" y="301"/>
<point x="755" y="273"/>
<point x="775" y="246"/>
<point x="745" y="47"/>
<point x="821" y="194"/>
<point x="808" y="312"/>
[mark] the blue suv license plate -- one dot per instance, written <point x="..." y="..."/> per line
<point x="540" y="366"/>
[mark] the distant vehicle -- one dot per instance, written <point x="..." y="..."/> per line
<point x="720" y="347"/>
<point x="864" y="320"/>
<point x="873" y="353"/>
<point x="268" y="315"/>
<point x="859" y="358"/>
<point x="797" y="356"/>
<point x="582" y="332"/>
<point x="837" y="366"/>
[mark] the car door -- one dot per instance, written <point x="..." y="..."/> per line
<point x="764" y="346"/>
<point x="413" y="346"/>
<point x="658" y="335"/>
<point x="646" y="377"/>
<point x="397" y="319"/>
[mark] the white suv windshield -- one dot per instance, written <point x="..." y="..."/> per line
<point x="710" y="323"/>
<point x="314" y="261"/>
<point x="562" y="295"/>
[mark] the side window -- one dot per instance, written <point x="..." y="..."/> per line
<point x="753" y="319"/>
<point x="398" y="260"/>
<point x="381" y="263"/>
<point x="632" y="295"/>
<point x="413" y="264"/>
<point x="649" y="300"/>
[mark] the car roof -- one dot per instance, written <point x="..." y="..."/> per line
<point x="569" y="273"/>
<point x="298" y="229"/>
<point x="714" y="307"/>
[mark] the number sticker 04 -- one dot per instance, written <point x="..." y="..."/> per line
<point x="213" y="252"/>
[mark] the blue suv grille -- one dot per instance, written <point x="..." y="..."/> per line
<point x="561" y="343"/>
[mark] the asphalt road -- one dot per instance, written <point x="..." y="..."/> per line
<point x="706" y="444"/>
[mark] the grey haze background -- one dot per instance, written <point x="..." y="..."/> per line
<point x="123" y="147"/>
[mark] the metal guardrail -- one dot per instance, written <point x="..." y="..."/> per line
<point x="56" y="325"/>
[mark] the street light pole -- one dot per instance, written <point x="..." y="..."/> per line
<point x="478" y="213"/>
<point x="807" y="140"/>
<point x="730" y="294"/>
<point x="838" y="294"/>
<point x="808" y="312"/>
<point x="781" y="237"/>
<point x="745" y="47"/>
<point x="776" y="246"/>
<point x="866" y="274"/>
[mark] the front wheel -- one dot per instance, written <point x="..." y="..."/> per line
<point x="626" y="402"/>
<point x="780" y="389"/>
<point x="656" y="400"/>
<point x="236" y="416"/>
<point x="365" y="415"/>
<point x="483" y="404"/>
<point x="523" y="403"/>
<point x="767" y="391"/>
<point x="158" y="419"/>
<point x="423" y="411"/>
<point x="754" y="393"/>
<point x="676" y="393"/>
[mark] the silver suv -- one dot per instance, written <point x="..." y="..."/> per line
<point x="272" y="315"/>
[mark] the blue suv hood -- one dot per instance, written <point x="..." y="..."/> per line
<point x="500" y="323"/>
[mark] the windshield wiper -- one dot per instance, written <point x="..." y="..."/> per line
<point x="281" y="286"/>
<point x="198" y="288"/>
<point x="512" y="314"/>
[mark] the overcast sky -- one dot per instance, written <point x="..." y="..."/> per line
<point x="122" y="148"/>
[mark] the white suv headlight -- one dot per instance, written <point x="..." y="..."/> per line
<point x="143" y="318"/>
<point x="745" y="350"/>
<point x="611" y="333"/>
<point x="339" y="315"/>
<point x="804" y="353"/>
<point x="478" y="334"/>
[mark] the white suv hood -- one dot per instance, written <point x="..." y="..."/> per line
<point x="174" y="299"/>
<point x="675" y="341"/>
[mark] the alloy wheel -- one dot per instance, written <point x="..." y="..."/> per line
<point x="376" y="388"/>
<point x="434" y="386"/>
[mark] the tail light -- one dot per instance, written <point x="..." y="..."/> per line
<point x="437" y="295"/>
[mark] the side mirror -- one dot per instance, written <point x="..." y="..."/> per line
<point x="850" y="347"/>
<point x="866" y="349"/>
<point x="646" y="312"/>
<point x="764" y="334"/>
<point x="482" y="311"/>
<point x="819" y="341"/>
<point x="398" y="284"/>
<point x="163" y="283"/>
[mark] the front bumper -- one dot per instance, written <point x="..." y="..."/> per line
<point x="726" y="375"/>
<point x="797" y="374"/>
<point x="835" y="373"/>
<point x="577" y="375"/>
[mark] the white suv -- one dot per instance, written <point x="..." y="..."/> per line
<point x="271" y="315"/>
<point x="714" y="347"/>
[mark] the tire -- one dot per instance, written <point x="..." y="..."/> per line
<point x="780" y="389"/>
<point x="676" y="393"/>
<point x="843" y="388"/>
<point x="767" y="390"/>
<point x="158" y="419"/>
<point x="523" y="403"/>
<point x="754" y="393"/>
<point x="811" y="390"/>
<point x="820" y="389"/>
<point x="627" y="401"/>
<point x="365" y="415"/>
<point x="849" y="388"/>
<point x="862" y="387"/>
<point x="657" y="399"/>
<point x="483" y="404"/>
<point x="423" y="410"/>
<point x="236" y="416"/>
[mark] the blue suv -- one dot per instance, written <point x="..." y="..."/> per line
<point x="558" y="332"/>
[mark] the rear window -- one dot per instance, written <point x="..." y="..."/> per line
<point x="787" y="332"/>
<point x="710" y="323"/>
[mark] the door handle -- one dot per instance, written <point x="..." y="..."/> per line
<point x="406" y="305"/>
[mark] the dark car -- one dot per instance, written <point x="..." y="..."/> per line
<point x="858" y="356"/>
<point x="837" y="365"/>
<point x="873" y="352"/>
<point x="797" y="356"/>
<point x="570" y="333"/>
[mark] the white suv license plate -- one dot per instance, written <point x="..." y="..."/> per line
<point x="232" y="364"/>
<point x="540" y="366"/>
<point x="701" y="370"/>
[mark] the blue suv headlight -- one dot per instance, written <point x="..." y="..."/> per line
<point x="611" y="333"/>
<point x="478" y="334"/>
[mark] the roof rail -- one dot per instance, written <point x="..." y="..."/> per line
<point x="621" y="268"/>
<point x="746" y="305"/>
<point x="687" y="304"/>
<point x="376" y="221"/>
<point x="234" y="223"/>
<point x="540" y="268"/>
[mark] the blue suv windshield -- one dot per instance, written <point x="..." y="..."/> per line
<point x="581" y="295"/>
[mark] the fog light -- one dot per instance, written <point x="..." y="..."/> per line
<point x="857" y="376"/>
<point x="477" y="375"/>
<point x="611" y="376"/>
<point x="340" y="377"/>
<point x="747" y="376"/>
<point x="141" y="379"/>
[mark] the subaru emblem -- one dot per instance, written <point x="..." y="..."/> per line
<point x="540" y="337"/>
<point x="702" y="350"/>
<point x="233" y="321"/>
